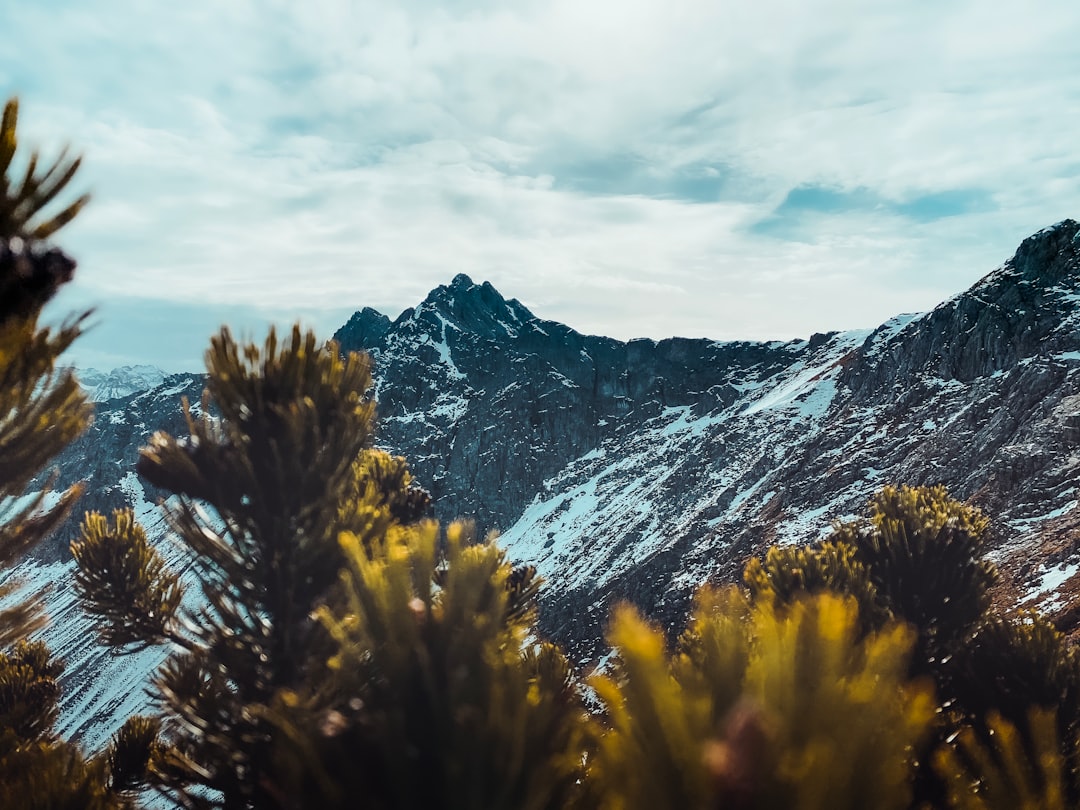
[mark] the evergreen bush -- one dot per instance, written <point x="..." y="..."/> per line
<point x="42" y="409"/>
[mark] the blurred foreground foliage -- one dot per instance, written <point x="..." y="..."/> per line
<point x="330" y="646"/>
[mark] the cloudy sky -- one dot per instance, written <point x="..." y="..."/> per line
<point x="635" y="168"/>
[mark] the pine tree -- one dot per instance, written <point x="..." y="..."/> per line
<point x="916" y="558"/>
<point x="1004" y="767"/>
<point x="1014" y="668"/>
<point x="790" y="573"/>
<point x="278" y="463"/>
<point x="437" y="695"/>
<point x="923" y="552"/>
<point x="41" y="410"/>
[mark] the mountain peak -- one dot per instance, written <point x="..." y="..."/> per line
<point x="478" y="308"/>
<point x="1045" y="255"/>
<point x="364" y="329"/>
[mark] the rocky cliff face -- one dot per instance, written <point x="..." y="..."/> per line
<point x="487" y="401"/>
<point x="637" y="470"/>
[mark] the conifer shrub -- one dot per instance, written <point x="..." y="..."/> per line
<point x="1015" y="662"/>
<point x="916" y="557"/>
<point x="42" y="409"/>
<point x="923" y="553"/>
<point x="1015" y="667"/>
<point x="761" y="707"/>
<point x="1004" y="768"/>
<point x="437" y="694"/>
<point x="278" y="464"/>
<point x="789" y="573"/>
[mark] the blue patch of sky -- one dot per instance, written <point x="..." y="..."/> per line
<point x="629" y="174"/>
<point x="794" y="218"/>
<point x="172" y="335"/>
<point x="930" y="207"/>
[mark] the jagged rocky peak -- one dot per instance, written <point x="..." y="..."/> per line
<point x="475" y="308"/>
<point x="478" y="310"/>
<point x="1045" y="256"/>
<point x="365" y="328"/>
<point x="1023" y="309"/>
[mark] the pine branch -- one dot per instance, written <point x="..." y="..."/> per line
<point x="22" y="205"/>
<point x="124" y="582"/>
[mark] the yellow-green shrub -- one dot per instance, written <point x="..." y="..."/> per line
<point x="761" y="708"/>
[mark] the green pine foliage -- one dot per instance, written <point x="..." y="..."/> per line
<point x="42" y="409"/>
<point x="762" y="707"/>
<point x="1016" y="667"/>
<point x="1016" y="662"/>
<point x="787" y="573"/>
<point x="124" y="582"/>
<point x="923" y="552"/>
<point x="916" y="558"/>
<point x="133" y="752"/>
<point x="278" y="465"/>
<point x="920" y="553"/>
<point x="1004" y="768"/>
<point x="23" y="203"/>
<point x="436" y="695"/>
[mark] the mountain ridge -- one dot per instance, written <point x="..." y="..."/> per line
<point x="976" y="394"/>
<point x="636" y="470"/>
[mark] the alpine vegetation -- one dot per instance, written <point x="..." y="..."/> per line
<point x="42" y="408"/>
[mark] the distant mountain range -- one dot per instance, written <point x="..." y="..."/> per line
<point x="120" y="382"/>
<point x="638" y="470"/>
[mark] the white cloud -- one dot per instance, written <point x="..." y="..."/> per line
<point x="278" y="155"/>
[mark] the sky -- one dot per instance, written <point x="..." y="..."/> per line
<point x="640" y="168"/>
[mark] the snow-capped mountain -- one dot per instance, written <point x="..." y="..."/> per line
<point x="637" y="470"/>
<point x="101" y="386"/>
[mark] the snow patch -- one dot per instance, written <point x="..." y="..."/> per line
<point x="1029" y="524"/>
<point x="1045" y="589"/>
<point x="808" y="393"/>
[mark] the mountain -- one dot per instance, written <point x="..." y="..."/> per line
<point x="101" y="386"/>
<point x="637" y="470"/>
